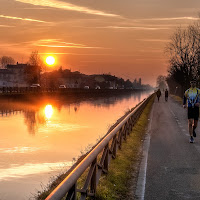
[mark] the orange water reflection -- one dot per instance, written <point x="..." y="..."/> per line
<point x="48" y="110"/>
<point x="42" y="134"/>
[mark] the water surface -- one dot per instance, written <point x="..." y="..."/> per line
<point x="41" y="137"/>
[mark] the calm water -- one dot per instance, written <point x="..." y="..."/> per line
<point x="40" y="140"/>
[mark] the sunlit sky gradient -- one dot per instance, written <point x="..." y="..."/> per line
<point x="126" y="38"/>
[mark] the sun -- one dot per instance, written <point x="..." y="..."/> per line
<point x="50" y="60"/>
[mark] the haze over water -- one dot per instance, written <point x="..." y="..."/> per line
<point x="40" y="140"/>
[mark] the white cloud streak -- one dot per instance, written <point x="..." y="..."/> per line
<point x="66" y="6"/>
<point x="67" y="46"/>
<point x="20" y="18"/>
<point x="56" y="43"/>
<point x="170" y="19"/>
<point x="134" y="27"/>
<point x="153" y="40"/>
<point x="6" y="26"/>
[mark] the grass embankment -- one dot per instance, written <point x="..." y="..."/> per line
<point x="124" y="169"/>
<point x="177" y="99"/>
<point x="116" y="184"/>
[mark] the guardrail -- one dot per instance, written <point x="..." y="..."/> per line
<point x="25" y="90"/>
<point x="21" y="90"/>
<point x="97" y="160"/>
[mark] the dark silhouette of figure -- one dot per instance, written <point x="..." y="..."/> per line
<point x="158" y="93"/>
<point x="166" y="95"/>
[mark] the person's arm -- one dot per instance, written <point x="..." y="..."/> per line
<point x="184" y="99"/>
<point x="198" y="98"/>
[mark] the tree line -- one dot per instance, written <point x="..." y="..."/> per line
<point x="184" y="58"/>
<point x="36" y="73"/>
<point x="34" y="66"/>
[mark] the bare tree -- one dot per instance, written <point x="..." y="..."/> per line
<point x="184" y="54"/>
<point x="34" y="68"/>
<point x="161" y="82"/>
<point x="35" y="59"/>
<point x="5" y="60"/>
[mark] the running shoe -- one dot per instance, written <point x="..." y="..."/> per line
<point x="191" y="139"/>
<point x="194" y="133"/>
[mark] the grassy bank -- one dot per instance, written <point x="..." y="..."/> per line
<point x="124" y="169"/>
<point x="177" y="99"/>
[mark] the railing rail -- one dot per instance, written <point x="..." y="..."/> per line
<point x="107" y="149"/>
<point x="27" y="90"/>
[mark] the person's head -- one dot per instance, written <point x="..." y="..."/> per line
<point x="193" y="83"/>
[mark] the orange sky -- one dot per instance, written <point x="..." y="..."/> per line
<point x="126" y="38"/>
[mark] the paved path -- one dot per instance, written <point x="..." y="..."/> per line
<point x="172" y="170"/>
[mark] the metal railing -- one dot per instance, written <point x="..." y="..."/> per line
<point x="97" y="160"/>
<point x="26" y="90"/>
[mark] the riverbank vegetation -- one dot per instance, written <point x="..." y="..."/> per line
<point x="123" y="171"/>
<point x="177" y="99"/>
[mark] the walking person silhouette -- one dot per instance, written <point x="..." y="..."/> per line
<point x="158" y="93"/>
<point x="166" y="95"/>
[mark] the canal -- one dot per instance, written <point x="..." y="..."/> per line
<point x="42" y="137"/>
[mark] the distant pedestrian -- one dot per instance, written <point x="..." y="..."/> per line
<point x="158" y="93"/>
<point x="166" y="95"/>
<point x="192" y="96"/>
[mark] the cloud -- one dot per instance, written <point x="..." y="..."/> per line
<point x="76" y="54"/>
<point x="67" y="6"/>
<point x="5" y="26"/>
<point x="135" y="27"/>
<point x="67" y="46"/>
<point x="153" y="40"/>
<point x="14" y="49"/>
<point x="5" y="45"/>
<point x="20" y="18"/>
<point x="170" y="19"/>
<point x="56" y="43"/>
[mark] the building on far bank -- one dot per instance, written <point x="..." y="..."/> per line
<point x="140" y="82"/>
<point x="13" y="76"/>
<point x="137" y="84"/>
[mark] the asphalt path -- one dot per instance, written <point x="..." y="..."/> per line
<point x="170" y="169"/>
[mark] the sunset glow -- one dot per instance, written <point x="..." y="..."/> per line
<point x="126" y="39"/>
<point x="74" y="73"/>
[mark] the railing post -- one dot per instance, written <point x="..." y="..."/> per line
<point x="72" y="194"/>
<point x="93" y="184"/>
<point x="106" y="161"/>
<point x="130" y="125"/>
<point x="120" y="138"/>
<point x="115" y="147"/>
<point x="125" y="131"/>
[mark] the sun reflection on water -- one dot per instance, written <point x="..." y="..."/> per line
<point x="48" y="111"/>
